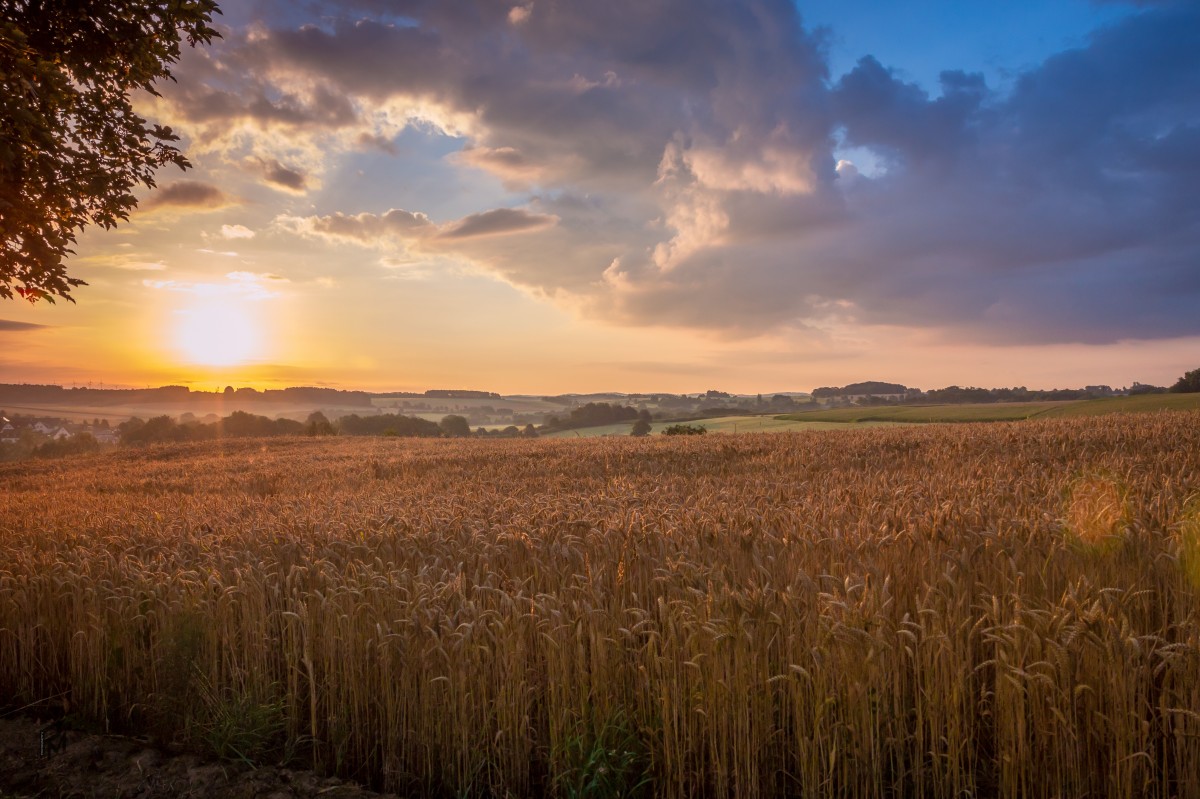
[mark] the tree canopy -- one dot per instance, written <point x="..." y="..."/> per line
<point x="1188" y="384"/>
<point x="71" y="148"/>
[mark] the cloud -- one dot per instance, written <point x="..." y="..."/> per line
<point x="238" y="285"/>
<point x="281" y="177"/>
<point x="365" y="228"/>
<point x="183" y="195"/>
<point x="236" y="232"/>
<point x="414" y="228"/>
<point x="256" y="277"/>
<point x="133" y="265"/>
<point x="497" y="222"/>
<point x="683" y="163"/>
<point x="13" y="326"/>
<point x="405" y="268"/>
<point x="516" y="170"/>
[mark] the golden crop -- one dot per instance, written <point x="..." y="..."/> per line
<point x="946" y="611"/>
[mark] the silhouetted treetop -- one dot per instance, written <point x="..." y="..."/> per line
<point x="71" y="148"/>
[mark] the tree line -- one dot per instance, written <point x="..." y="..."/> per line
<point x="594" y="414"/>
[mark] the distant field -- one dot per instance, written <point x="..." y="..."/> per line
<point x="720" y="424"/>
<point x="1001" y="412"/>
<point x="989" y="412"/>
<point x="405" y="405"/>
<point x="1139" y="404"/>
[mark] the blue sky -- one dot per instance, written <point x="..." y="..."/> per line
<point x="923" y="37"/>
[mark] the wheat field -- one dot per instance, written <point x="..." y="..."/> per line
<point x="1007" y="610"/>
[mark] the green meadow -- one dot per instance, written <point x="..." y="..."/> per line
<point x="720" y="424"/>
<point x="842" y="418"/>
<point x="1001" y="412"/>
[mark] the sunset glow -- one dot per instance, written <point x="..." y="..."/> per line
<point x="513" y="196"/>
<point x="216" y="333"/>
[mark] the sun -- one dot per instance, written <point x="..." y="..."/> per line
<point x="221" y="332"/>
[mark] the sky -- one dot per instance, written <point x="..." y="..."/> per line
<point x="547" y="196"/>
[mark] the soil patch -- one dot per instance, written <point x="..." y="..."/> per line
<point x="117" y="767"/>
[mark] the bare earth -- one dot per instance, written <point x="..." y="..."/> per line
<point x="117" y="767"/>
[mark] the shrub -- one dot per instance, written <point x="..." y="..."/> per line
<point x="685" y="430"/>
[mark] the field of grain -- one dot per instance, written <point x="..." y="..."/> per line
<point x="927" y="611"/>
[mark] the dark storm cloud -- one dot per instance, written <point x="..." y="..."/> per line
<point x="687" y="152"/>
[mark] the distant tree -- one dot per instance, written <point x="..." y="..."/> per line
<point x="71" y="148"/>
<point x="455" y="426"/>
<point x="640" y="428"/>
<point x="156" y="430"/>
<point x="644" y="415"/>
<point x="398" y="425"/>
<point x="241" y="424"/>
<point x="1145" y="388"/>
<point x="593" y="414"/>
<point x="129" y="425"/>
<point x="1188" y="384"/>
<point x="318" y="424"/>
<point x="530" y="431"/>
<point x="75" y="445"/>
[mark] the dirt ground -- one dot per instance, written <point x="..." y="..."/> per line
<point x="116" y="767"/>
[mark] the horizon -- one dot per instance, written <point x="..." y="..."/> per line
<point x="423" y="393"/>
<point x="544" y="201"/>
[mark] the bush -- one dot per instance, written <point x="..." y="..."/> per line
<point x="685" y="430"/>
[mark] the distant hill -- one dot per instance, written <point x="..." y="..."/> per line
<point x="26" y="393"/>
<point x="857" y="389"/>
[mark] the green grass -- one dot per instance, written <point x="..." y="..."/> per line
<point x="989" y="412"/>
<point x="1138" y="404"/>
<point x="1001" y="411"/>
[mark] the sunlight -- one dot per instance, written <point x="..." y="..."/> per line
<point x="220" y="332"/>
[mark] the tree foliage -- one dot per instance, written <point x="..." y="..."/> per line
<point x="386" y="424"/>
<point x="455" y="426"/>
<point x="71" y="148"/>
<point x="591" y="415"/>
<point x="1188" y="384"/>
<point x="685" y="430"/>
